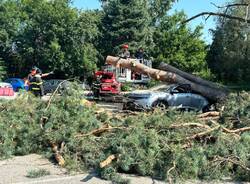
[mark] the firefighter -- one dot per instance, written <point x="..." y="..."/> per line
<point x="96" y="86"/>
<point x="125" y="54"/>
<point x="35" y="81"/>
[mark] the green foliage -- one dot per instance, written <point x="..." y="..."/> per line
<point x="50" y="35"/>
<point x="125" y="22"/>
<point x="152" y="83"/>
<point x="158" y="8"/>
<point x="229" y="53"/>
<point x="2" y="69"/>
<point x="126" y="87"/>
<point x="37" y="173"/>
<point x="179" y="46"/>
<point x="146" y="144"/>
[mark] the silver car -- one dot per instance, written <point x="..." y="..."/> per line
<point x="178" y="96"/>
<point x="51" y="85"/>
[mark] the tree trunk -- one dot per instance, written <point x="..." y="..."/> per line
<point x="190" y="77"/>
<point x="208" y="92"/>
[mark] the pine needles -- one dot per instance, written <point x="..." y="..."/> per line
<point x="167" y="145"/>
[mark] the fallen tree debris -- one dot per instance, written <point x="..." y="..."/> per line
<point x="200" y="134"/>
<point x="184" y="125"/>
<point x="60" y="160"/>
<point x="140" y="142"/>
<point x="231" y="159"/>
<point x="212" y="94"/>
<point x="107" y="161"/>
<point x="209" y="114"/>
<point x="99" y="131"/>
<point x="188" y="76"/>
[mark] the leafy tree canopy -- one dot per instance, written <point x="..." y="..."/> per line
<point x="50" y="35"/>
<point x="178" y="45"/>
<point x="229" y="55"/>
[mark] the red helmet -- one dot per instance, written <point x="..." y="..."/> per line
<point x="125" y="46"/>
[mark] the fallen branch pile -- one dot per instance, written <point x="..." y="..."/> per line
<point x="167" y="145"/>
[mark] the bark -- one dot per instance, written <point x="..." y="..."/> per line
<point x="208" y="92"/>
<point x="209" y="114"/>
<point x="107" y="161"/>
<point x="59" y="158"/>
<point x="190" y="77"/>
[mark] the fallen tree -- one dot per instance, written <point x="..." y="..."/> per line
<point x="188" y="76"/>
<point x="209" y="92"/>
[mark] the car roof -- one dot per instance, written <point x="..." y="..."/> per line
<point x="4" y="84"/>
<point x="19" y="79"/>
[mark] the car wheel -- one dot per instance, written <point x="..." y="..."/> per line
<point x="160" y="105"/>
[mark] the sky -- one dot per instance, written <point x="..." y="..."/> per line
<point x="190" y="7"/>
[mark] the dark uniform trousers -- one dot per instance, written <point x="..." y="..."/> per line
<point x="36" y="85"/>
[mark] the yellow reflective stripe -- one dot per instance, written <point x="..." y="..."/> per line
<point x="36" y="83"/>
<point x="35" y="88"/>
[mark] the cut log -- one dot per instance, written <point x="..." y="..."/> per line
<point x="57" y="154"/>
<point x="107" y="161"/>
<point x="210" y="93"/>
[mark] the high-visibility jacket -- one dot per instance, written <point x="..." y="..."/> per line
<point x="36" y="83"/>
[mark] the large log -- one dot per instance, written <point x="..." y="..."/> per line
<point x="210" y="93"/>
<point x="188" y="76"/>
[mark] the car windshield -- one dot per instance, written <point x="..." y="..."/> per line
<point x="165" y="88"/>
<point x="180" y="89"/>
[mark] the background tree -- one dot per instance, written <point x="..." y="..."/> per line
<point x="157" y="8"/>
<point x="2" y="69"/>
<point x="125" y="21"/>
<point x="10" y="24"/>
<point x="51" y="35"/>
<point x="179" y="46"/>
<point x="229" y="55"/>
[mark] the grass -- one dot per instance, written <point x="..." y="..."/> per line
<point x="37" y="173"/>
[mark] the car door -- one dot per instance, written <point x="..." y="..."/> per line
<point x="180" y="96"/>
<point x="13" y="82"/>
<point x="197" y="102"/>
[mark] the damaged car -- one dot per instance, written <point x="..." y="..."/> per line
<point x="176" y="96"/>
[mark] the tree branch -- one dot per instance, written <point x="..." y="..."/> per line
<point x="230" y="5"/>
<point x="217" y="14"/>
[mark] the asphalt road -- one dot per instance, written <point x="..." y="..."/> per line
<point x="15" y="170"/>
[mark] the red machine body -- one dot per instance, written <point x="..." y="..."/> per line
<point x="107" y="83"/>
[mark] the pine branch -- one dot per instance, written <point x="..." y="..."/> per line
<point x="190" y="124"/>
<point x="105" y="128"/>
<point x="235" y="131"/>
<point x="170" y="181"/>
<point x="203" y="133"/>
<point x="231" y="160"/>
<point x="209" y="114"/>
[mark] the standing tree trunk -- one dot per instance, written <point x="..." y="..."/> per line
<point x="212" y="94"/>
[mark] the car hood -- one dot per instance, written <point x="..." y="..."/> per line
<point x="145" y="94"/>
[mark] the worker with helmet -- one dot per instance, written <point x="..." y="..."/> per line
<point x="125" y="53"/>
<point x="35" y="82"/>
